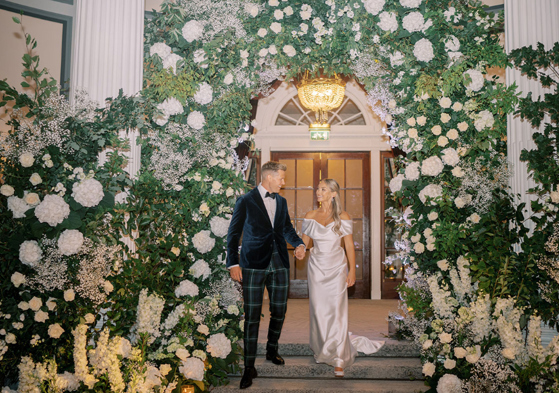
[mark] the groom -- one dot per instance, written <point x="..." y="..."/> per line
<point x="262" y="219"/>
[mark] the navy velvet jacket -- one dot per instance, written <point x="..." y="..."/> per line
<point x="250" y="219"/>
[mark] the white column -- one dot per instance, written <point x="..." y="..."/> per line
<point x="527" y="22"/>
<point x="108" y="54"/>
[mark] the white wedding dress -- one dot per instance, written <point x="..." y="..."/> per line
<point x="328" y="304"/>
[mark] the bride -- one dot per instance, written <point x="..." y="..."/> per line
<point x="328" y="279"/>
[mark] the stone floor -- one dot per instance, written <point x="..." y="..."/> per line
<point x="366" y="318"/>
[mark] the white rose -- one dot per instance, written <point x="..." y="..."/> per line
<point x="228" y="79"/>
<point x="89" y="318"/>
<point x="411" y="121"/>
<point x="433" y="216"/>
<point x="203" y="329"/>
<point x="108" y="287"/>
<point x="182" y="354"/>
<point x="26" y="160"/>
<point x="507" y="353"/>
<point x="69" y="295"/>
<point x="463" y="126"/>
<point x="273" y="3"/>
<point x="474" y="353"/>
<point x="278" y="14"/>
<point x="23" y="306"/>
<point x="252" y="9"/>
<point x="458" y="172"/>
<point x="55" y="330"/>
<point x="289" y="50"/>
<point x="421" y="120"/>
<point x="554" y="195"/>
<point x="475" y="218"/>
<point x="262" y="32"/>
<point x="18" y="279"/>
<point x="392" y="104"/>
<point x="263" y="52"/>
<point x="35" y="303"/>
<point x="452" y="134"/>
<point x="30" y="253"/>
<point x="445" y="117"/>
<point x="276" y="27"/>
<point x="41" y="316"/>
<point x="10" y="338"/>
<point x="35" y="179"/>
<point x="445" y="102"/>
<point x="192" y="30"/>
<point x="429" y="369"/>
<point x="445" y="338"/>
<point x="427" y="344"/>
<point x="460" y="353"/>
<point x="419" y="248"/>
<point x="436" y="130"/>
<point x="272" y="49"/>
<point x="412" y="133"/>
<point x="32" y="199"/>
<point x="442" y="141"/>
<point x="457" y="107"/>
<point x="70" y="241"/>
<point x="7" y="190"/>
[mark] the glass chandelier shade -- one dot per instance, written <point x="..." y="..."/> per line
<point x="320" y="95"/>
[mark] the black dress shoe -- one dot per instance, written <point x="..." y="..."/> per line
<point x="248" y="375"/>
<point x="275" y="358"/>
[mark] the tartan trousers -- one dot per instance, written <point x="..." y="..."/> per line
<point x="276" y="279"/>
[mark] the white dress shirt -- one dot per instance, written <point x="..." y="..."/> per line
<point x="270" y="203"/>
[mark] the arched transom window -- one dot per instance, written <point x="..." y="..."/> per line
<point x="295" y="114"/>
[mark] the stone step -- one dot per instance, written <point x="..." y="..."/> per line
<point x="391" y="348"/>
<point x="363" y="368"/>
<point x="330" y="385"/>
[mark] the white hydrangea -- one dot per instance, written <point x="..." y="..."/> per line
<point x="203" y="242"/>
<point x="449" y="383"/>
<point x="52" y="210"/>
<point x="289" y="50"/>
<point x="192" y="30"/>
<point x="196" y="120"/>
<point x="396" y="59"/>
<point x="70" y="241"/>
<point x="412" y="171"/>
<point x="160" y="49"/>
<point x="388" y="21"/>
<point x="171" y="106"/>
<point x="432" y="166"/>
<point x="219" y="226"/>
<point x="477" y="80"/>
<point x="374" y="6"/>
<point x="30" y="253"/>
<point x="432" y="191"/>
<point x="170" y="62"/>
<point x="450" y="156"/>
<point x="204" y="95"/>
<point x="396" y="183"/>
<point x="228" y="79"/>
<point x="414" y="21"/>
<point x="452" y="44"/>
<point x="200" y="269"/>
<point x="192" y="368"/>
<point x="219" y="346"/>
<point x="186" y="288"/>
<point x="483" y="119"/>
<point x="17" y="206"/>
<point x="88" y="193"/>
<point x="423" y="50"/>
<point x="410" y="3"/>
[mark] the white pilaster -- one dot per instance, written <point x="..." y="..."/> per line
<point x="527" y="22"/>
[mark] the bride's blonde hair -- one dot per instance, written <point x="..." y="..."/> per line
<point x="333" y="186"/>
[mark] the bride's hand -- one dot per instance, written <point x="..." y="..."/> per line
<point x="351" y="278"/>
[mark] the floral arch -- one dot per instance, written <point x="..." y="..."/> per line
<point x="422" y="64"/>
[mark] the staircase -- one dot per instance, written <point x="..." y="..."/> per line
<point x="396" y="368"/>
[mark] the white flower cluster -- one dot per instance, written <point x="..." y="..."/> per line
<point x="88" y="193"/>
<point x="219" y="346"/>
<point x="449" y="383"/>
<point x="219" y="226"/>
<point x="477" y="80"/>
<point x="196" y="120"/>
<point x="203" y="242"/>
<point x="396" y="183"/>
<point x="414" y="21"/>
<point x="204" y="95"/>
<point x="192" y="368"/>
<point x="52" y="210"/>
<point x="508" y="325"/>
<point x="170" y="107"/>
<point x="17" y="206"/>
<point x="200" y="268"/>
<point x="168" y="59"/>
<point x="412" y="171"/>
<point x="192" y="30"/>
<point x="410" y="3"/>
<point x="450" y="156"/>
<point x="148" y="315"/>
<point x="432" y="166"/>
<point x="432" y="191"/>
<point x="30" y="253"/>
<point x="388" y="22"/>
<point x="441" y="298"/>
<point x="423" y="50"/>
<point x="173" y="319"/>
<point x="374" y="6"/>
<point x="483" y="120"/>
<point x="70" y="241"/>
<point x="186" y="288"/>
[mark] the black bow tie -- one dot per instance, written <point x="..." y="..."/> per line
<point x="271" y="195"/>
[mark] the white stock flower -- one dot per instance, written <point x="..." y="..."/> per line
<point x="410" y="3"/>
<point x="7" y="190"/>
<point x="449" y="383"/>
<point x="88" y="193"/>
<point x="412" y="171"/>
<point x="219" y="226"/>
<point x="17" y="206"/>
<point x="374" y="6"/>
<point x="35" y="179"/>
<point x="160" y="49"/>
<point x="432" y="166"/>
<point x="30" y="253"/>
<point x="276" y="27"/>
<point x="196" y="120"/>
<point x="192" y="368"/>
<point x="26" y="160"/>
<point x="428" y="369"/>
<point x="413" y="22"/>
<point x="186" y="288"/>
<point x="200" y="269"/>
<point x="70" y="241"/>
<point x="450" y="156"/>
<point x="204" y="95"/>
<point x="203" y="242"/>
<point x="289" y="50"/>
<point x="218" y="345"/>
<point x="433" y="191"/>
<point x="423" y="50"/>
<point x="388" y="21"/>
<point x="170" y="62"/>
<point x="477" y="80"/>
<point x="192" y="30"/>
<point x="55" y="330"/>
<point x="396" y="183"/>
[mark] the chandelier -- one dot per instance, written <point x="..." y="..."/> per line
<point x="320" y="95"/>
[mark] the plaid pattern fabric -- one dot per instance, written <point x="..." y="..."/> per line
<point x="276" y="279"/>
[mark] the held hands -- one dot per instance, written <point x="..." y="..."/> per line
<point x="351" y="278"/>
<point x="300" y="252"/>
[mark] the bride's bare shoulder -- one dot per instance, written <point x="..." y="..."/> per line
<point x="311" y="214"/>
<point x="345" y="216"/>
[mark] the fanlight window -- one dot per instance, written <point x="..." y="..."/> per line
<point x="295" y="114"/>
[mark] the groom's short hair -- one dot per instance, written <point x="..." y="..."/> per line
<point x="272" y="166"/>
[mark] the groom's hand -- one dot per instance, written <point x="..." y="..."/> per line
<point x="236" y="273"/>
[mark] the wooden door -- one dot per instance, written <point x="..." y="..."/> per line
<point x="352" y="171"/>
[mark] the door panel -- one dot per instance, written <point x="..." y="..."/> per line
<point x="352" y="171"/>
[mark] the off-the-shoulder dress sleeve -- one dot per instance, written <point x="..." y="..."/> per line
<point x="306" y="227"/>
<point x="346" y="228"/>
